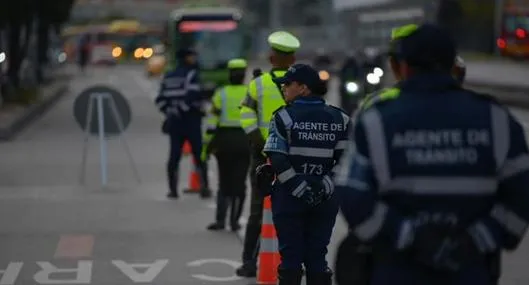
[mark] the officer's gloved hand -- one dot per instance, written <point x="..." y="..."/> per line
<point x="313" y="195"/>
<point x="443" y="248"/>
<point x="264" y="176"/>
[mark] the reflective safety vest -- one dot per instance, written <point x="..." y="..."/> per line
<point x="263" y="98"/>
<point x="225" y="109"/>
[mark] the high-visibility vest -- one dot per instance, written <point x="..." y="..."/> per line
<point x="264" y="97"/>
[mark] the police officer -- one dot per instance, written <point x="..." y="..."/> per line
<point x="435" y="180"/>
<point x="305" y="142"/>
<point x="263" y="98"/>
<point x="180" y="100"/>
<point x="230" y="145"/>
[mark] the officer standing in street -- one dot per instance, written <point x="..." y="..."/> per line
<point x="227" y="140"/>
<point x="306" y="140"/>
<point x="436" y="180"/>
<point x="263" y="98"/>
<point x="180" y="100"/>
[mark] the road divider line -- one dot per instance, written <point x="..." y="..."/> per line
<point x="75" y="246"/>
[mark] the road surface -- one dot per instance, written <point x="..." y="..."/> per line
<point x="56" y="231"/>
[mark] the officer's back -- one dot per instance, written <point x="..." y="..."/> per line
<point x="440" y="161"/>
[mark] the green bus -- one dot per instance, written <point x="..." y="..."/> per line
<point x="215" y="33"/>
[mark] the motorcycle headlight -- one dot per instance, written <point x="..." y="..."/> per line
<point x="378" y="71"/>
<point x="373" y="79"/>
<point x="351" y="87"/>
<point x="324" y="75"/>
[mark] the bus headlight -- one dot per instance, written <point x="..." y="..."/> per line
<point x="138" y="53"/>
<point x="116" y="52"/>
<point x="373" y="79"/>
<point x="351" y="87"/>
<point x="378" y="71"/>
<point x="148" y="52"/>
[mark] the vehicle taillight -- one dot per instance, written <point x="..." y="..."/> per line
<point x="501" y="43"/>
<point x="521" y="33"/>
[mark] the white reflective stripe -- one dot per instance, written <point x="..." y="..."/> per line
<point x="250" y="128"/>
<point x="193" y="87"/>
<point x="312" y="152"/>
<point x="482" y="237"/>
<point x="448" y="185"/>
<point x="376" y="140"/>
<point x="341" y="145"/>
<point x="286" y="175"/>
<point x="346" y="119"/>
<point x="405" y="238"/>
<point x="500" y="134"/>
<point x="248" y="115"/>
<point x="172" y="82"/>
<point x="268" y="245"/>
<point x="260" y="93"/>
<point x="285" y="118"/>
<point x="372" y="226"/>
<point x="509" y="220"/>
<point x="161" y="104"/>
<point x="224" y="121"/>
<point x="298" y="192"/>
<point x="267" y="217"/>
<point x="174" y="93"/>
<point x="514" y="166"/>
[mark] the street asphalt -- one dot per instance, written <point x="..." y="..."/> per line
<point x="56" y="230"/>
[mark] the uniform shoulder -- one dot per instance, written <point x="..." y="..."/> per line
<point x="483" y="96"/>
<point x="284" y="107"/>
<point x="340" y="110"/>
<point x="380" y="97"/>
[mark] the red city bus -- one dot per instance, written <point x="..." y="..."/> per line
<point x="514" y="33"/>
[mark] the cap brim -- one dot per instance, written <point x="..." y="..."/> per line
<point x="282" y="80"/>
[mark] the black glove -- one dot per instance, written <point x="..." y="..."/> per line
<point x="313" y="196"/>
<point x="443" y="248"/>
<point x="264" y="175"/>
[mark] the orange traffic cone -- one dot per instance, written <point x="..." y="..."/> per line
<point x="269" y="257"/>
<point x="186" y="149"/>
<point x="194" y="180"/>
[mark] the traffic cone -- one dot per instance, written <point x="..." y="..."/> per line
<point x="269" y="258"/>
<point x="194" y="181"/>
<point x="186" y="149"/>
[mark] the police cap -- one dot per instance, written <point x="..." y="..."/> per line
<point x="303" y="74"/>
<point x="237" y="63"/>
<point x="427" y="46"/>
<point x="283" y="41"/>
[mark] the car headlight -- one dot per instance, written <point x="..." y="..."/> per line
<point x="351" y="87"/>
<point x="62" y="57"/>
<point x="378" y="71"/>
<point x="148" y="52"/>
<point x="373" y="79"/>
<point x="2" y="57"/>
<point x="138" y="53"/>
<point x="324" y="75"/>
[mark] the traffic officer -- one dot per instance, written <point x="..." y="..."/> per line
<point x="180" y="100"/>
<point x="227" y="140"/>
<point x="264" y="97"/>
<point x="306" y="140"/>
<point x="435" y="180"/>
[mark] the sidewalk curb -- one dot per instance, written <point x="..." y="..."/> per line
<point x="33" y="112"/>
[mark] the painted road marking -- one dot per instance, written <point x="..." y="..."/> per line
<point x="75" y="246"/>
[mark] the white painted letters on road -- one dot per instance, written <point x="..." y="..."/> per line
<point x="204" y="277"/>
<point x="83" y="273"/>
<point x="131" y="270"/>
<point x="10" y="274"/>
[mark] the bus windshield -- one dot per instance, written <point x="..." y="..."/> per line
<point x="216" y="42"/>
<point x="514" y="22"/>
